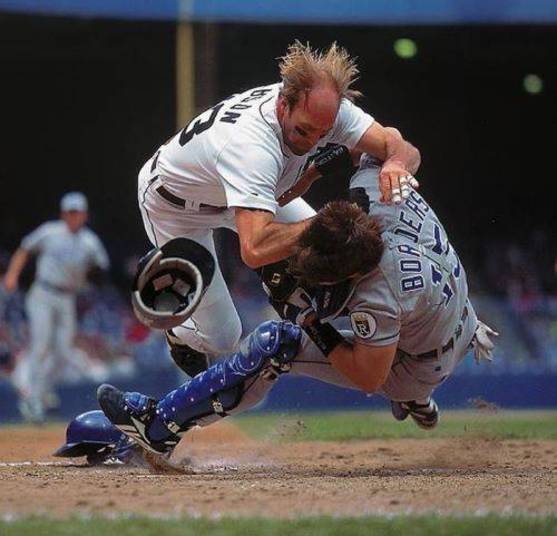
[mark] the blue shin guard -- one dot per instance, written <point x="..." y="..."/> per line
<point x="268" y="349"/>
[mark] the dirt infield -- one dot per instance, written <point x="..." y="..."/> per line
<point x="238" y="476"/>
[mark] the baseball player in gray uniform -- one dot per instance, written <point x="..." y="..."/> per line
<point x="231" y="164"/>
<point x="411" y="319"/>
<point x="390" y="269"/>
<point x="66" y="251"/>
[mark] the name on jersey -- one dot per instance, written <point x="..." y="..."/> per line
<point x="207" y="119"/>
<point x="411" y="221"/>
<point x="231" y="117"/>
<point x="411" y="218"/>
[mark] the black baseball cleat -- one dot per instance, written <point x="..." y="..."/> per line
<point x="132" y="413"/>
<point x="426" y="416"/>
<point x="189" y="360"/>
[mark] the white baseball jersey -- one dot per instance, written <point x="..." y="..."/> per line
<point x="233" y="155"/>
<point x="416" y="296"/>
<point x="64" y="257"/>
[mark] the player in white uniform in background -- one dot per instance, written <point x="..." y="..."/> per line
<point x="229" y="166"/>
<point x="67" y="251"/>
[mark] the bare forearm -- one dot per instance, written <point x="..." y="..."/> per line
<point x="366" y="366"/>
<point x="343" y="360"/>
<point x="17" y="263"/>
<point x="271" y="242"/>
<point x="301" y="187"/>
<point x="400" y="159"/>
<point x="397" y="149"/>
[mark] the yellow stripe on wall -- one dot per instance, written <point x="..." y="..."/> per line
<point x="185" y="77"/>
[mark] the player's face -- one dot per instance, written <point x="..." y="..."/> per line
<point x="75" y="219"/>
<point x="308" y="121"/>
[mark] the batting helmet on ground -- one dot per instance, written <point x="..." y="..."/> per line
<point x="170" y="283"/>
<point x="91" y="434"/>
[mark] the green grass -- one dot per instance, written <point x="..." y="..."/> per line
<point x="322" y="526"/>
<point x="332" y="427"/>
<point x="357" y="425"/>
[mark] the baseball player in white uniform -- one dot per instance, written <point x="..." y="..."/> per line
<point x="66" y="251"/>
<point x="229" y="166"/>
<point x="394" y="274"/>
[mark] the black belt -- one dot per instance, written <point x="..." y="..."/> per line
<point x="174" y="199"/>
<point x="434" y="354"/>
<point x="55" y="288"/>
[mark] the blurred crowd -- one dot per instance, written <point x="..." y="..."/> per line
<point x="514" y="287"/>
<point x="520" y="281"/>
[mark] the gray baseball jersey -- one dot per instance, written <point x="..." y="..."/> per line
<point x="65" y="257"/>
<point x="233" y="155"/>
<point x="417" y="294"/>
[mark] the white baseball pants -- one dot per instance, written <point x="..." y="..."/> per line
<point x="214" y="327"/>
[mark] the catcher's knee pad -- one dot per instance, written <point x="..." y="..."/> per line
<point x="274" y="340"/>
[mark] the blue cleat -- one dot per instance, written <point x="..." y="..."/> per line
<point x="426" y="416"/>
<point x="133" y="413"/>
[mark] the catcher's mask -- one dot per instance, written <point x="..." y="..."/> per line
<point x="330" y="299"/>
<point x="170" y="283"/>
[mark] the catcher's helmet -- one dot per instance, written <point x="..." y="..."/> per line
<point x="170" y="283"/>
<point x="91" y="434"/>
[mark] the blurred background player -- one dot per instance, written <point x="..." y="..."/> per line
<point x="67" y="253"/>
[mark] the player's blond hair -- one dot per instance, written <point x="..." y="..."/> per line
<point x="303" y="68"/>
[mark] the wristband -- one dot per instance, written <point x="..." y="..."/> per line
<point x="334" y="160"/>
<point x="325" y="336"/>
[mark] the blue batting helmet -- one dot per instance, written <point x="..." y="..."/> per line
<point x="91" y="434"/>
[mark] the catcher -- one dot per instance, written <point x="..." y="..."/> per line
<point x="390" y="269"/>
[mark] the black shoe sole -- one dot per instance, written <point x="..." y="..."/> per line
<point x="109" y="398"/>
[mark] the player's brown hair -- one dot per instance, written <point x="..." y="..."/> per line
<point x="342" y="240"/>
<point x="303" y="68"/>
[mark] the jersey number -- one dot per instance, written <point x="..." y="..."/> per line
<point x="436" y="275"/>
<point x="199" y="126"/>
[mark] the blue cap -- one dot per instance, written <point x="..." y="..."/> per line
<point x="73" y="201"/>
